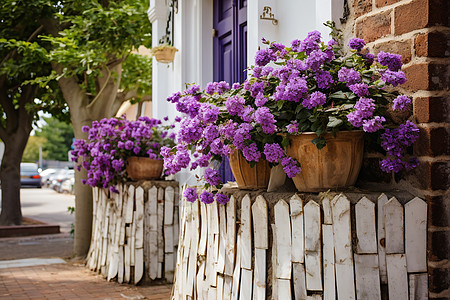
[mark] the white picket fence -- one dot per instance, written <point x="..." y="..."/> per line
<point x="316" y="251"/>
<point x="135" y="233"/>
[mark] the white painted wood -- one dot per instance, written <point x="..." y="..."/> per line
<point x="313" y="246"/>
<point x="203" y="230"/>
<point x="245" y="291"/>
<point x="160" y="227"/>
<point x="168" y="239"/>
<point x="120" y="271"/>
<point x="274" y="262"/>
<point x="340" y="207"/>
<point x="230" y="249"/>
<point x="176" y="227"/>
<point x="365" y="227"/>
<point x="129" y="205"/>
<point x="159" y="274"/>
<point x="227" y="285"/>
<point x="214" y="218"/>
<point x="314" y="297"/>
<point x="397" y="276"/>
<point x="283" y="239"/>
<point x="367" y="277"/>
<point x="187" y="239"/>
<point x="169" y="267"/>
<point x="133" y="241"/>
<point x="327" y="217"/>
<point x="169" y="199"/>
<point x="299" y="279"/>
<point x="153" y="255"/>
<point x="259" y="283"/>
<point x="220" y="281"/>
<point x="152" y="204"/>
<point x="416" y="235"/>
<point x="298" y="246"/>
<point x="192" y="261"/>
<point x="393" y="219"/>
<point x="201" y="282"/>
<point x="127" y="255"/>
<point x="381" y="238"/>
<point x="153" y="208"/>
<point x="260" y="223"/>
<point x="139" y="242"/>
<point x="139" y="265"/>
<point x="220" y="266"/>
<point x="329" y="279"/>
<point x="237" y="271"/>
<point x="418" y="286"/>
<point x="246" y="236"/>
<point x="212" y="293"/>
<point x="211" y="254"/>
<point x="284" y="289"/>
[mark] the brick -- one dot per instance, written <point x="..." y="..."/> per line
<point x="433" y="142"/>
<point x="439" y="12"/>
<point x="438" y="210"/>
<point x="438" y="280"/>
<point x="361" y="7"/>
<point x="431" y="176"/>
<point x="432" y="109"/>
<point x="432" y="44"/>
<point x="381" y="3"/>
<point x="373" y="27"/>
<point x="398" y="47"/>
<point x="439" y="76"/>
<point x="417" y="77"/>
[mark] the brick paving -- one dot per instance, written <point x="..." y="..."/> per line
<point x="71" y="280"/>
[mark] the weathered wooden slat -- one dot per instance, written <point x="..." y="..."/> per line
<point x="220" y="281"/>
<point x="121" y="269"/>
<point x="129" y="205"/>
<point x="283" y="242"/>
<point x="298" y="247"/>
<point x="393" y="222"/>
<point x="204" y="229"/>
<point x="245" y="291"/>
<point x="367" y="277"/>
<point x="418" y="286"/>
<point x="192" y="261"/>
<point x="139" y="265"/>
<point x="139" y="218"/>
<point x="133" y="240"/>
<point x="169" y="267"/>
<point x="237" y="271"/>
<point x="327" y="217"/>
<point x="201" y="282"/>
<point x="220" y="266"/>
<point x="284" y="289"/>
<point x="345" y="283"/>
<point x="127" y="255"/>
<point x="381" y="237"/>
<point x="260" y="223"/>
<point x="246" y="236"/>
<point x="230" y="249"/>
<point x="259" y="283"/>
<point x="397" y="276"/>
<point x="313" y="246"/>
<point x="416" y="235"/>
<point x="212" y="293"/>
<point x="299" y="279"/>
<point x="365" y="226"/>
<point x="314" y="297"/>
<point x="329" y="279"/>
<point x="274" y="262"/>
<point x="152" y="204"/>
<point x="169" y="199"/>
<point x="227" y="285"/>
<point x="160" y="230"/>
<point x="187" y="239"/>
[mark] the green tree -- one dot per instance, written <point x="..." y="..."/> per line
<point x="88" y="44"/>
<point x="58" y="137"/>
<point x="31" y="152"/>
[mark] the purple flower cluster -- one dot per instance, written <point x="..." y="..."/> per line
<point x="111" y="141"/>
<point x="273" y="152"/>
<point x="316" y="99"/>
<point x="350" y="76"/>
<point x="392" y="61"/>
<point x="402" y="102"/>
<point x="356" y="44"/>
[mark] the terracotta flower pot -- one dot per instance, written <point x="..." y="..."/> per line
<point x="335" y="165"/>
<point x="141" y="168"/>
<point x="246" y="176"/>
<point x="165" y="55"/>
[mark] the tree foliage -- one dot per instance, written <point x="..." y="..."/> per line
<point x="58" y="137"/>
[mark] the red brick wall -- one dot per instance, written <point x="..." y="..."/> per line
<point x="419" y="31"/>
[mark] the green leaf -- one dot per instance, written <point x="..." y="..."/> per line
<point x="334" y="122"/>
<point x="319" y="142"/>
<point x="285" y="142"/>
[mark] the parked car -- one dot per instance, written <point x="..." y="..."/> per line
<point x="60" y="177"/>
<point x="29" y="175"/>
<point x="67" y="185"/>
<point x="45" y="176"/>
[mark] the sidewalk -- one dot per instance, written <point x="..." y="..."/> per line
<point x="46" y="278"/>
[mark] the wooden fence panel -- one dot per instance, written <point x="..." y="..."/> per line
<point x="416" y="235"/>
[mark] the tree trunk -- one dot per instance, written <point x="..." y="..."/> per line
<point x="10" y="175"/>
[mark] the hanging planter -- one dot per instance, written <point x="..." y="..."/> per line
<point x="335" y="166"/>
<point x="144" y="168"/>
<point x="246" y="176"/>
<point x="164" y="53"/>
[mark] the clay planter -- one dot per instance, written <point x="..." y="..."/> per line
<point x="165" y="55"/>
<point x="335" y="166"/>
<point x="246" y="176"/>
<point x="144" y="168"/>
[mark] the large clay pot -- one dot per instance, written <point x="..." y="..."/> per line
<point x="141" y="168"/>
<point x="246" y="176"/>
<point x="336" y="165"/>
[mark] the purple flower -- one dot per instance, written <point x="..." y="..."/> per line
<point x="128" y="145"/>
<point x="85" y="128"/>
<point x="236" y="85"/>
<point x="273" y="152"/>
<point x="207" y="197"/>
<point x="316" y="99"/>
<point x="364" y="109"/>
<point x="316" y="59"/>
<point x="401" y="103"/>
<point x="266" y="120"/>
<point x="369" y="57"/>
<point x="295" y="45"/>
<point x="360" y="89"/>
<point x="290" y="166"/>
<point x="235" y="105"/>
<point x="392" y="61"/>
<point x="212" y="176"/>
<point x="311" y="42"/>
<point x="190" y="194"/>
<point x="350" y="76"/>
<point x="293" y="127"/>
<point x="324" y="79"/>
<point x="263" y="57"/>
<point x="356" y="44"/>
<point x="222" y="198"/>
<point x="251" y="152"/>
<point x="373" y="125"/>
<point x="136" y="150"/>
<point x="394" y="78"/>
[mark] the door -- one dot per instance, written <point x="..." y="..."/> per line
<point x="230" y="51"/>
